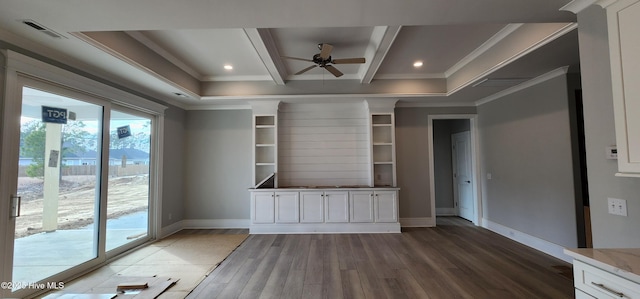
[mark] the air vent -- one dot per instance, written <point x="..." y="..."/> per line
<point x="43" y="29"/>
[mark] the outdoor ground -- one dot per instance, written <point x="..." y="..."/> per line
<point x="77" y="201"/>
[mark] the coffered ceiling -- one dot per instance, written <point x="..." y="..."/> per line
<point x="177" y="51"/>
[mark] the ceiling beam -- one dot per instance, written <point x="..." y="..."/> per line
<point x="381" y="40"/>
<point x="265" y="46"/>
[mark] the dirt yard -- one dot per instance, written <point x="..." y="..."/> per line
<point x="77" y="201"/>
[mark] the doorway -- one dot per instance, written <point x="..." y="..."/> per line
<point x="453" y="184"/>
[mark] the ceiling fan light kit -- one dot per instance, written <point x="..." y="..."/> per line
<point x="324" y="60"/>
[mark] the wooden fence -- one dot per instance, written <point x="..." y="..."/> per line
<point x="114" y="170"/>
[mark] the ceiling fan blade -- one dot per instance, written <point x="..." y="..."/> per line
<point x="305" y="70"/>
<point x="348" y="60"/>
<point x="296" y="58"/>
<point x="333" y="70"/>
<point x="325" y="51"/>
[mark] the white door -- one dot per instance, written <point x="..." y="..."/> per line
<point x="336" y="206"/>
<point x="386" y="206"/>
<point x="361" y="203"/>
<point x="462" y="175"/>
<point x="311" y="207"/>
<point x="263" y="207"/>
<point x="287" y="207"/>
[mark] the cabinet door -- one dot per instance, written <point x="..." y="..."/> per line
<point x="361" y="206"/>
<point x="263" y="207"/>
<point x="311" y="207"/>
<point x="386" y="206"/>
<point x="624" y="21"/>
<point x="336" y="206"/>
<point x="287" y="207"/>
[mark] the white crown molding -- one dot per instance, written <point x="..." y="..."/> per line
<point x="486" y="46"/>
<point x="535" y="81"/>
<point x="411" y="76"/>
<point x="577" y="6"/>
<point x="236" y="78"/>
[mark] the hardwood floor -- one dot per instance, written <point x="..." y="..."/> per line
<point x="453" y="260"/>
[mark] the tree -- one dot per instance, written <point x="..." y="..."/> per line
<point x="75" y="140"/>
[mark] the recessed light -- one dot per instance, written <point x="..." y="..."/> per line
<point x="417" y="63"/>
<point x="228" y="67"/>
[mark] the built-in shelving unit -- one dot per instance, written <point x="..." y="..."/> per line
<point x="324" y="168"/>
<point x="383" y="150"/>
<point x="265" y="141"/>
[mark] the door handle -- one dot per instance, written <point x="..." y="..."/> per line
<point x="15" y="206"/>
<point x="468" y="182"/>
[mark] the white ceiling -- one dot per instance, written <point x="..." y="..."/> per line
<point x="164" y="47"/>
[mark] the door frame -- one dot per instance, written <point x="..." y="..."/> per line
<point x="475" y="164"/>
<point x="17" y="65"/>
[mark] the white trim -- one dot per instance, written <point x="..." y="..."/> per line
<point x="475" y="163"/>
<point x="535" y="81"/>
<point x="170" y="229"/>
<point x="577" y="6"/>
<point x="325" y="228"/>
<point x="549" y="38"/>
<point x="215" y="223"/>
<point x="430" y="105"/>
<point x="418" y="222"/>
<point x="446" y="212"/>
<point x="536" y="243"/>
<point x="486" y="46"/>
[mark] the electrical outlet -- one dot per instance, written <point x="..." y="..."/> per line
<point x="617" y="206"/>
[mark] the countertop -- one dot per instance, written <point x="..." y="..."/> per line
<point x="624" y="262"/>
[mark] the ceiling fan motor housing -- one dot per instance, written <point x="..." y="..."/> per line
<point x="321" y="62"/>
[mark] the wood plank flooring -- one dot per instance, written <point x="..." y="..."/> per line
<point x="453" y="260"/>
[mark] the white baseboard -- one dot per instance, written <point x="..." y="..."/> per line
<point x="547" y="247"/>
<point x="170" y="229"/>
<point x="418" y="222"/>
<point x="215" y="223"/>
<point x="446" y="212"/>
<point x="325" y="228"/>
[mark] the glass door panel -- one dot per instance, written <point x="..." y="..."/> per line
<point x="58" y="185"/>
<point x="128" y="190"/>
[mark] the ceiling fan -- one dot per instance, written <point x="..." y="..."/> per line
<point x="324" y="60"/>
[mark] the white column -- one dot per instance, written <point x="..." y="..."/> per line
<point x="53" y="144"/>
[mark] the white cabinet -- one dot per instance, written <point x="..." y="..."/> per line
<point x="312" y="207"/>
<point x="602" y="284"/>
<point x="336" y="206"/>
<point x="606" y="272"/>
<point x="361" y="206"/>
<point x="262" y="207"/>
<point x="385" y="206"/>
<point x="331" y="210"/>
<point x="623" y="19"/>
<point x="286" y="207"/>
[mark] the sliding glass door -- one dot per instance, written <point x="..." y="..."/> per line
<point x="128" y="191"/>
<point x="79" y="180"/>
<point x="58" y="185"/>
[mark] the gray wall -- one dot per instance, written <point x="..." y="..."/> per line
<point x="412" y="157"/>
<point x="218" y="164"/>
<point x="526" y="146"/>
<point x="608" y="230"/>
<point x="173" y="166"/>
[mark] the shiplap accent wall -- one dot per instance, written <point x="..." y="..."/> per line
<point x="323" y="145"/>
